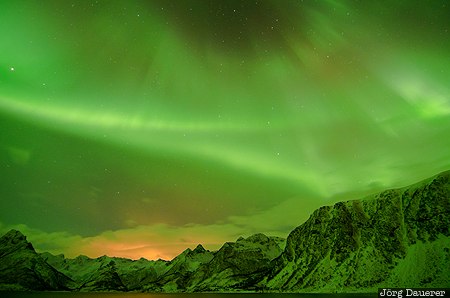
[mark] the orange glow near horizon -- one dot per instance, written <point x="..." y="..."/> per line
<point x="132" y="251"/>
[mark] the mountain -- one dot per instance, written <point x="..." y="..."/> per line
<point x="105" y="278"/>
<point x="398" y="238"/>
<point x="232" y="267"/>
<point x="21" y="268"/>
<point x="236" y="265"/>
<point x="124" y="274"/>
<point x="177" y="273"/>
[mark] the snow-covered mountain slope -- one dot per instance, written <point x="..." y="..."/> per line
<point x="231" y="267"/>
<point x="21" y="268"/>
<point x="397" y="238"/>
<point x="133" y="274"/>
<point x="105" y="278"/>
<point x="237" y="265"/>
<point x="178" y="272"/>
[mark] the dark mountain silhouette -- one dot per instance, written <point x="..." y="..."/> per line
<point x="397" y="238"/>
<point x="21" y="268"/>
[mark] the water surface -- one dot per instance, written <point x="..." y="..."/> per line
<point x="178" y="295"/>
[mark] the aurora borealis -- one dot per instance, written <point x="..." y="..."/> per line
<point x="140" y="128"/>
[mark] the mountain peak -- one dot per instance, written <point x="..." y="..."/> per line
<point x="14" y="235"/>
<point x="257" y="238"/>
<point x="199" y="249"/>
<point x="14" y="240"/>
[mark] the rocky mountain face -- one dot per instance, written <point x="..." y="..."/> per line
<point x="236" y="265"/>
<point x="107" y="273"/>
<point x="397" y="238"/>
<point x="233" y="266"/>
<point x="176" y="274"/>
<point x="105" y="278"/>
<point x="21" y="268"/>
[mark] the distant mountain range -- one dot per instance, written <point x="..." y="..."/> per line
<point x="397" y="238"/>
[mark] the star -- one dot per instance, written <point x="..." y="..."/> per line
<point x="299" y="115"/>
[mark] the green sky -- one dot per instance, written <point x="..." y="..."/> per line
<point x="140" y="128"/>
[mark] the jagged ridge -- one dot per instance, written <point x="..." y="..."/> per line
<point x="398" y="238"/>
<point x="21" y="268"/>
<point x="370" y="243"/>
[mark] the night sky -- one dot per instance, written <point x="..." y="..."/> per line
<point x="141" y="128"/>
